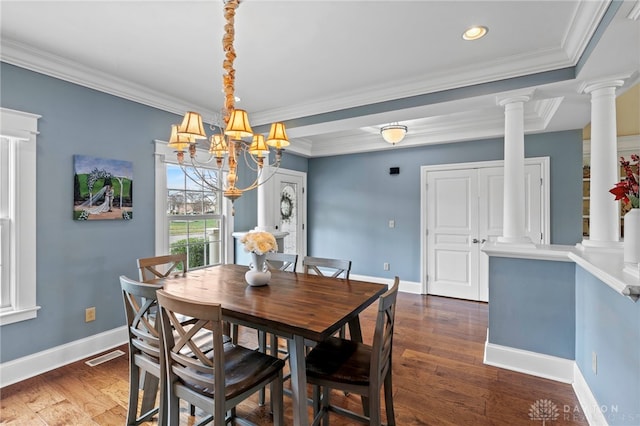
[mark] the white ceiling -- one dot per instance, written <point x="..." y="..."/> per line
<point x="336" y="71"/>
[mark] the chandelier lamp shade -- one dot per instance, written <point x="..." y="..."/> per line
<point x="233" y="136"/>
<point x="393" y="133"/>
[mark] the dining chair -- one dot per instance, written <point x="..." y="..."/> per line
<point x="282" y="261"/>
<point x="214" y="382"/>
<point x="144" y="350"/>
<point x="165" y="266"/>
<point x="356" y="368"/>
<point x="335" y="268"/>
<point x="158" y="267"/>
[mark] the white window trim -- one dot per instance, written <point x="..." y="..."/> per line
<point x="24" y="127"/>
<point x="163" y="155"/>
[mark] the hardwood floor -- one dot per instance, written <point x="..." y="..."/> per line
<point x="439" y="379"/>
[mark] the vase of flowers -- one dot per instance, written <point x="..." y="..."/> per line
<point x="258" y="243"/>
<point x="627" y="191"/>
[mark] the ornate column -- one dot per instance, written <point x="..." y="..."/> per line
<point x="514" y="214"/>
<point x="604" y="211"/>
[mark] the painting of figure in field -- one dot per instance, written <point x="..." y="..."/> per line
<point x="102" y="188"/>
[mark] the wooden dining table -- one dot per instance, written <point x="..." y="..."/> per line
<point x="295" y="306"/>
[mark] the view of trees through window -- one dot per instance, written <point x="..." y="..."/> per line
<point x="194" y="216"/>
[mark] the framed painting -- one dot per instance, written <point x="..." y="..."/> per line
<point x="102" y="188"/>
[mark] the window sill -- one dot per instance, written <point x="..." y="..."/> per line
<point x="605" y="264"/>
<point x="13" y="316"/>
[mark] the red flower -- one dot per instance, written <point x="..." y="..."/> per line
<point x="627" y="189"/>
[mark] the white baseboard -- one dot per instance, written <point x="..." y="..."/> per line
<point x="588" y="402"/>
<point x="405" y="286"/>
<point x="29" y="366"/>
<point x="533" y="363"/>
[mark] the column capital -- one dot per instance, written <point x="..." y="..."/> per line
<point x="515" y="96"/>
<point x="591" y="87"/>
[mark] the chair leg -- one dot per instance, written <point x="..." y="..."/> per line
<point x="325" y="405"/>
<point x="277" y="398"/>
<point x="134" y="378"/>
<point x="262" y="347"/>
<point x="173" y="417"/>
<point x="388" y="400"/>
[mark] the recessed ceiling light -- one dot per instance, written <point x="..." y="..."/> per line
<point x="475" y="32"/>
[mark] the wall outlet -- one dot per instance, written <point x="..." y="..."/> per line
<point x="90" y="314"/>
<point x="594" y="362"/>
<point x="385" y="266"/>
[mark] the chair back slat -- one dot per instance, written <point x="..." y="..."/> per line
<point x="158" y="267"/>
<point x="282" y="261"/>
<point x="335" y="268"/>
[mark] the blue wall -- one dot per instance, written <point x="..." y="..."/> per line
<point x="78" y="263"/>
<point x="609" y="325"/>
<point x="351" y="198"/>
<point x="532" y="306"/>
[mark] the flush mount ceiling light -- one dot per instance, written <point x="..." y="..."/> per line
<point x="475" y="32"/>
<point x="393" y="133"/>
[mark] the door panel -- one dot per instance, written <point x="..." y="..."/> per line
<point x="452" y="226"/>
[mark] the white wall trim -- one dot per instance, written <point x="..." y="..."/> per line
<point x="32" y="365"/>
<point x="405" y="286"/>
<point x="532" y="363"/>
<point x="588" y="402"/>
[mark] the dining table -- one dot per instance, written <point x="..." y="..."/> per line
<point x="296" y="306"/>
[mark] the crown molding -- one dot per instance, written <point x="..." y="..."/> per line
<point x="588" y="16"/>
<point x="634" y="13"/>
<point x="42" y="62"/>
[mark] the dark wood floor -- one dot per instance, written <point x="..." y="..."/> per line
<point x="439" y="379"/>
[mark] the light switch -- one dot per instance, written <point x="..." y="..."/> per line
<point x="392" y="223"/>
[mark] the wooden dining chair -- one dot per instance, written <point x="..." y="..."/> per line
<point x="357" y="368"/>
<point x="282" y="261"/>
<point x="335" y="268"/>
<point x="158" y="267"/>
<point x="214" y="382"/>
<point x="141" y="309"/>
<point x="144" y="350"/>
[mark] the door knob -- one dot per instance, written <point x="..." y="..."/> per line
<point x="476" y="241"/>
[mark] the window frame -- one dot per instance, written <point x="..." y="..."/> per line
<point x="164" y="155"/>
<point x="21" y="128"/>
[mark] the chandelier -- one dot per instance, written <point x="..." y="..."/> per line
<point x="236" y="140"/>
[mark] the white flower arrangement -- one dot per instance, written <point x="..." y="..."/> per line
<point x="259" y="242"/>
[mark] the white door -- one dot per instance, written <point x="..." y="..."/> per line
<point x="452" y="225"/>
<point x="464" y="210"/>
<point x="291" y="210"/>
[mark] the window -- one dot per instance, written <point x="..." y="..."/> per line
<point x="194" y="217"/>
<point x="17" y="216"/>
<point x="190" y="216"/>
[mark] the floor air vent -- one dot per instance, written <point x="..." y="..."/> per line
<point x="104" y="358"/>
